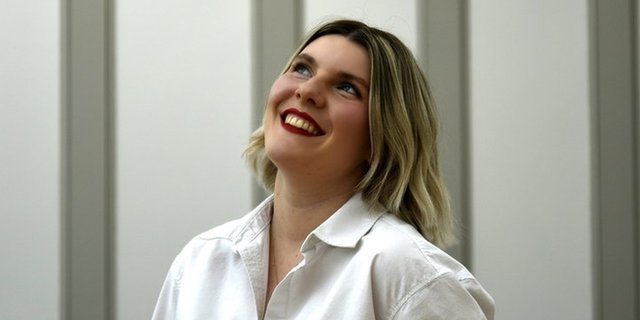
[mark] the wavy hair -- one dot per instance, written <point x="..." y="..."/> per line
<point x="403" y="177"/>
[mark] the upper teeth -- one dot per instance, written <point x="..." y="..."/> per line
<point x="300" y="124"/>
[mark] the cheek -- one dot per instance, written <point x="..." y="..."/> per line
<point x="277" y="94"/>
<point x="355" y="124"/>
<point x="359" y="120"/>
<point x="281" y="89"/>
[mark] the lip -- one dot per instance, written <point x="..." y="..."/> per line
<point x="304" y="116"/>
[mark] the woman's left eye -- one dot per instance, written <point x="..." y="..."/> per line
<point x="349" y="88"/>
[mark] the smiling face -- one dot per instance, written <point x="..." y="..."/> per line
<point x="316" y="121"/>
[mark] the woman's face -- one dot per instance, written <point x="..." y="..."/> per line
<point x="316" y="121"/>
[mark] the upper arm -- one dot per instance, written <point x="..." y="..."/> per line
<point x="446" y="298"/>
<point x="166" y="306"/>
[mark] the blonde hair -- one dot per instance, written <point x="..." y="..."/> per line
<point x="403" y="176"/>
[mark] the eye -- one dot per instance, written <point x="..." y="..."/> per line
<point x="349" y="88"/>
<point x="301" y="69"/>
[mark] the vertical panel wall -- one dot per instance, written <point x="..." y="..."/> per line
<point x="615" y="155"/>
<point x="183" y="96"/>
<point x="87" y="160"/>
<point x="636" y="19"/>
<point x="30" y="160"/>
<point x="398" y="17"/>
<point x="442" y="50"/>
<point x="531" y="167"/>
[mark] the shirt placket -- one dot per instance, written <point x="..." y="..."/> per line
<point x="252" y="257"/>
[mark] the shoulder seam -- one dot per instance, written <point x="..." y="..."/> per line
<point x="417" y="288"/>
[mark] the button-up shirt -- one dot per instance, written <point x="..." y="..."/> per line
<point x="357" y="264"/>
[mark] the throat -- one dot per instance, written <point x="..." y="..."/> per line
<point x="283" y="257"/>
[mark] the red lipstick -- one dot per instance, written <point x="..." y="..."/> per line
<point x="303" y="116"/>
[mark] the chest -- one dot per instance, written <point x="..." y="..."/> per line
<point x="328" y="283"/>
<point x="324" y="285"/>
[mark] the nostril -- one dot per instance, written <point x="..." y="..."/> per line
<point x="308" y="94"/>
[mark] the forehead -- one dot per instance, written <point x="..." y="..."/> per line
<point x="339" y="53"/>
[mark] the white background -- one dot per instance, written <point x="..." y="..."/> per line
<point x="29" y="159"/>
<point x="183" y="119"/>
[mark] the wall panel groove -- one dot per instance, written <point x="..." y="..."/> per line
<point x="614" y="79"/>
<point x="442" y="52"/>
<point x="87" y="160"/>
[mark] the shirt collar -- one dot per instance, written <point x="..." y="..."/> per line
<point x="344" y="228"/>
<point x="257" y="221"/>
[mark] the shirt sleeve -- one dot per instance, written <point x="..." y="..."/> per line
<point x="446" y="298"/>
<point x="166" y="306"/>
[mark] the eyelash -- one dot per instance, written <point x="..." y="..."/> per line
<point x="304" y="70"/>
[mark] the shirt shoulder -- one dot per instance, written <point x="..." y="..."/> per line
<point x="396" y="243"/>
<point x="419" y="274"/>
<point x="243" y="229"/>
<point x="213" y="259"/>
<point x="221" y="241"/>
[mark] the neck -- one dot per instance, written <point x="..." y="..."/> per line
<point x="300" y="208"/>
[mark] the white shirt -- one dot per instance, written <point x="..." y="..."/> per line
<point x="358" y="264"/>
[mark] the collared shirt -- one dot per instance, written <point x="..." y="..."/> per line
<point x="358" y="264"/>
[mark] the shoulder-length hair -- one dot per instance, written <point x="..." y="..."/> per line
<point x="403" y="177"/>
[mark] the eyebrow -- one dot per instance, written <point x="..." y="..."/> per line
<point x="312" y="61"/>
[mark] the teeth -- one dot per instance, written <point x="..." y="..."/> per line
<point x="300" y="123"/>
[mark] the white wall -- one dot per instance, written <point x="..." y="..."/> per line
<point x="531" y="157"/>
<point x="183" y="119"/>
<point x="29" y="160"/>
<point x="398" y="17"/>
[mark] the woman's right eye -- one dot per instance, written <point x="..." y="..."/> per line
<point x="301" y="69"/>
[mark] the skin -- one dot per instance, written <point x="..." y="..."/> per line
<point x="329" y="81"/>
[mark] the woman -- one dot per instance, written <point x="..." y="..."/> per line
<point x="348" y="147"/>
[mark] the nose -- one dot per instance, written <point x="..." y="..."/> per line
<point x="310" y="92"/>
